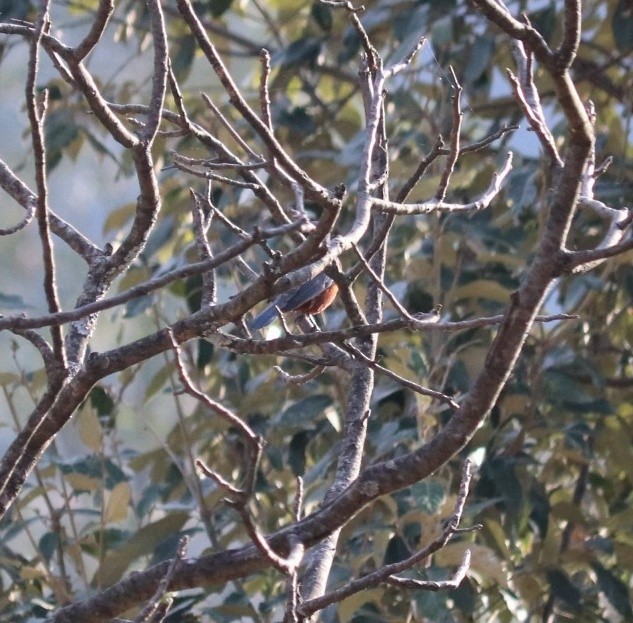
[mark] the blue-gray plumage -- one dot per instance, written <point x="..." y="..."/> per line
<point x="310" y="298"/>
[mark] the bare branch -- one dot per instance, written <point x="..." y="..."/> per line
<point x="528" y="99"/>
<point x="435" y="205"/>
<point x="254" y="442"/>
<point x="20" y="322"/>
<point x="7" y="231"/>
<point x="454" y="140"/>
<point x="418" y="389"/>
<point x="104" y="11"/>
<point x="226" y="123"/>
<point x="148" y="613"/>
<point x="299" y="379"/>
<point x="18" y="190"/>
<point x="207" y="175"/>
<point x="386" y="573"/>
<point x="379" y="282"/>
<point x="264" y="95"/>
<point x="287" y="566"/>
<point x="159" y="73"/>
<point x="566" y="53"/>
<point x="312" y="188"/>
<point x="429" y="585"/>
<point x="201" y="224"/>
<point x="582" y="261"/>
<point x="497" y="13"/>
<point x="36" y="107"/>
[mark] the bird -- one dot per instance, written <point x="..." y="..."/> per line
<point x="312" y="297"/>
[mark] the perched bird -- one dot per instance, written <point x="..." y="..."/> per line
<point x="312" y="297"/>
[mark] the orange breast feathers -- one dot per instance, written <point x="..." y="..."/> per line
<point x="312" y="297"/>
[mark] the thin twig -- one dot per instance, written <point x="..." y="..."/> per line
<point x="208" y="175"/>
<point x="528" y="99"/>
<point x="417" y="388"/>
<point x="215" y="164"/>
<point x="422" y="322"/>
<point x="201" y="224"/>
<point x="159" y="74"/>
<point x="288" y="565"/>
<point x="299" y="379"/>
<point x="254" y="442"/>
<point x="429" y="585"/>
<point x="104" y="11"/>
<point x="315" y="191"/>
<point x="21" y="322"/>
<point x="435" y="205"/>
<point x="379" y="282"/>
<point x="264" y="95"/>
<point x="7" y="231"/>
<point x="408" y="186"/>
<point x="36" y="107"/>
<point x="232" y="131"/>
<point x="23" y="195"/>
<point x="297" y="507"/>
<point x="454" y="140"/>
<point x="148" y="614"/>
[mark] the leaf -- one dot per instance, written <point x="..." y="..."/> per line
<point x="297" y="452"/>
<point x="502" y="472"/>
<point x="12" y="301"/>
<point x="60" y="130"/>
<point x="564" y="589"/>
<point x="13" y="10"/>
<point x="193" y="292"/>
<point x="622" y="25"/>
<point x="48" y="545"/>
<point x="158" y="381"/>
<point x="544" y="20"/>
<point x="305" y="410"/>
<point x="117" y="218"/>
<point x="143" y="543"/>
<point x="297" y="120"/>
<point x="161" y="235"/>
<point x="303" y="50"/>
<point x="428" y="496"/>
<point x="616" y="591"/>
<point x="8" y="378"/>
<point x="101" y="400"/>
<point x="396" y="551"/>
<point x="482" y="289"/>
<point x="322" y="15"/>
<point x="28" y="572"/>
<point x="205" y="354"/>
<point x="218" y="7"/>
<point x="350" y="607"/>
<point x="89" y="428"/>
<point x="82" y="483"/>
<point x="182" y="59"/>
<point x="478" y="59"/>
<point x="138" y="306"/>
<point x="351" y="46"/>
<point x="442" y="32"/>
<point x="540" y="510"/>
<point x="118" y="502"/>
<point x="95" y="467"/>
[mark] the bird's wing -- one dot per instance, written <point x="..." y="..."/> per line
<point x="305" y="292"/>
